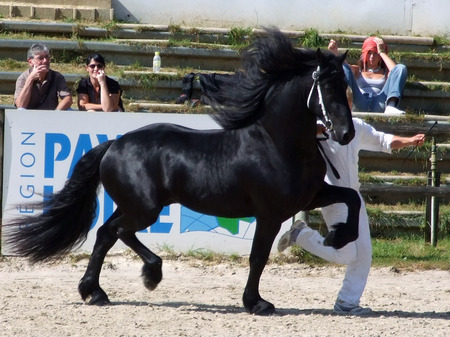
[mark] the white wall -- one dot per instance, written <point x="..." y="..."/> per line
<point x="402" y="17"/>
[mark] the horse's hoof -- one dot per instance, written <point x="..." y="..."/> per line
<point x="263" y="308"/>
<point x="99" y="302"/>
<point x="93" y="297"/>
<point x="329" y="239"/>
<point x="338" y="238"/>
<point x="150" y="284"/>
<point x="152" y="275"/>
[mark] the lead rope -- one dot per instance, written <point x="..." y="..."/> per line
<point x="333" y="169"/>
<point x="315" y="76"/>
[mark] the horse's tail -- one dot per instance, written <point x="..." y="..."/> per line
<point x="67" y="215"/>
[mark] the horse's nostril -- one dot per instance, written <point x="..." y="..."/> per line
<point x="347" y="137"/>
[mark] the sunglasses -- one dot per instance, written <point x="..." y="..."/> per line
<point x="99" y="66"/>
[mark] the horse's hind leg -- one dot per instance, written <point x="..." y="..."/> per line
<point x="89" y="286"/>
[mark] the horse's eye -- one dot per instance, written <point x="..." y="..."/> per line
<point x="329" y="89"/>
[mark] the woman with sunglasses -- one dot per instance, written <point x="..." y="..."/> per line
<point x="98" y="92"/>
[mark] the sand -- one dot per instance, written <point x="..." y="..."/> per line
<point x="196" y="299"/>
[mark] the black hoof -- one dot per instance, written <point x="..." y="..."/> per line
<point x="329" y="239"/>
<point x="339" y="237"/>
<point x="263" y="308"/>
<point x="152" y="275"/>
<point x="90" y="290"/>
<point x="101" y="301"/>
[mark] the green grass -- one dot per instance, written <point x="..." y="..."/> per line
<point x="312" y="39"/>
<point x="411" y="253"/>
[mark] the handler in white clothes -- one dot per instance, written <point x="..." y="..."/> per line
<point x="357" y="255"/>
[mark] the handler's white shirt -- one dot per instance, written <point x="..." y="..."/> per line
<point x="345" y="157"/>
<point x="357" y="255"/>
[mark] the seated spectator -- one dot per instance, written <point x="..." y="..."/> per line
<point x="98" y="92"/>
<point x="40" y="87"/>
<point x="377" y="81"/>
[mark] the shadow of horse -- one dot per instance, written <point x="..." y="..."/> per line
<point x="231" y="309"/>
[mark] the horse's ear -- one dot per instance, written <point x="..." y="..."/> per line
<point x="342" y="57"/>
<point x="319" y="55"/>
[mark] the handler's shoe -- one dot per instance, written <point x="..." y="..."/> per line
<point x="288" y="238"/>
<point x="355" y="311"/>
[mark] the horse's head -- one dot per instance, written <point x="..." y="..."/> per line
<point x="328" y="97"/>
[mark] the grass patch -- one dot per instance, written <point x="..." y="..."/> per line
<point x="240" y="37"/>
<point x="411" y="253"/>
<point x="312" y="39"/>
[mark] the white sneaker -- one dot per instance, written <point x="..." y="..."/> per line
<point x="355" y="311"/>
<point x="392" y="110"/>
<point x="288" y="238"/>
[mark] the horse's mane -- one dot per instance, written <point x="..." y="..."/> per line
<point x="269" y="59"/>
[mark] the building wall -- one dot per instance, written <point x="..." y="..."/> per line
<point x="398" y="17"/>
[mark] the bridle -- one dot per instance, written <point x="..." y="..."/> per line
<point x="328" y="123"/>
<point x="315" y="76"/>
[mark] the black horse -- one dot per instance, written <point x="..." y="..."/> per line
<point x="264" y="163"/>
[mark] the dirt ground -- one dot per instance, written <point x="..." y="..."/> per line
<point x="194" y="299"/>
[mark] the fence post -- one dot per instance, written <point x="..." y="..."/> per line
<point x="432" y="204"/>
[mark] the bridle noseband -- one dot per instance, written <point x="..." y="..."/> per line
<point x="315" y="76"/>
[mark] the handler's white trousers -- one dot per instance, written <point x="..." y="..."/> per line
<point x="357" y="255"/>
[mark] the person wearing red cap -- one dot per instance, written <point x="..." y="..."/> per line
<point x="377" y="81"/>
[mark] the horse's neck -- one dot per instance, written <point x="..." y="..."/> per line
<point x="288" y="119"/>
<point x="292" y="132"/>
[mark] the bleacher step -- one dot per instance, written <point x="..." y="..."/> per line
<point x="58" y="10"/>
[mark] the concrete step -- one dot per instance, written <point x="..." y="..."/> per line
<point x="211" y="35"/>
<point x="126" y="54"/>
<point x="429" y="66"/>
<point x="58" y="10"/>
<point x="424" y="59"/>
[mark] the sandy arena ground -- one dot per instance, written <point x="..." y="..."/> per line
<point x="198" y="300"/>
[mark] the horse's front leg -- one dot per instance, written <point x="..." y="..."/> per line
<point x="262" y="243"/>
<point x="342" y="233"/>
<point x="89" y="286"/>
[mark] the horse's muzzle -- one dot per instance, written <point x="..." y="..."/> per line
<point x="343" y="138"/>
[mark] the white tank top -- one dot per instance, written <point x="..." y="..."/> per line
<point x="370" y="85"/>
